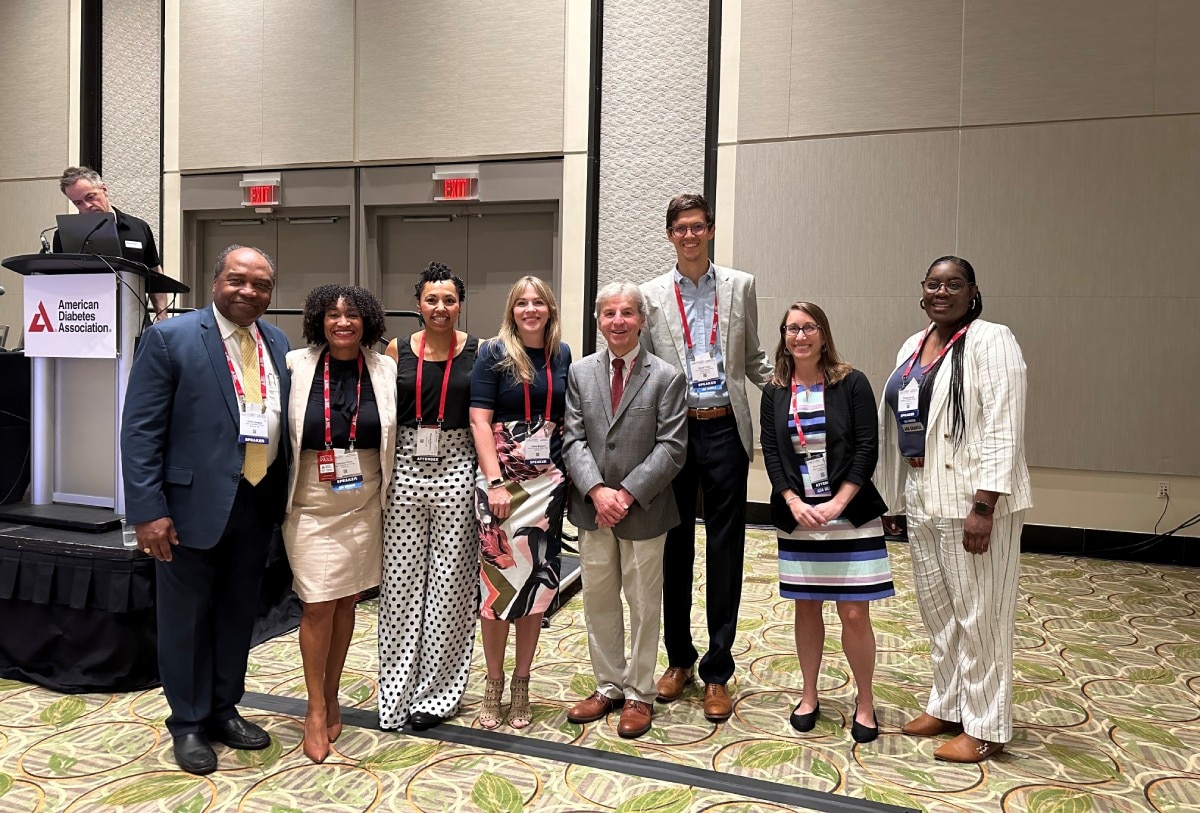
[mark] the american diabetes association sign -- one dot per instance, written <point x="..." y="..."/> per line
<point x="71" y="316"/>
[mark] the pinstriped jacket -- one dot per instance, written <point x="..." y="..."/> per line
<point x="991" y="456"/>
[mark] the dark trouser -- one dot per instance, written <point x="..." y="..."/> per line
<point x="718" y="465"/>
<point x="207" y="600"/>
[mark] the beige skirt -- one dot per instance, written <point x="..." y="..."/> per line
<point x="334" y="539"/>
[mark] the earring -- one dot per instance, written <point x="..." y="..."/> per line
<point x="921" y="303"/>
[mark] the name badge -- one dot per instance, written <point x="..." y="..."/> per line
<point x="428" y="444"/>
<point x="704" y="371"/>
<point x="818" y="473"/>
<point x="325" y="466"/>
<point x="132" y="244"/>
<point x="253" y="425"/>
<point x="273" y="403"/>
<point x="908" y="407"/>
<point x="348" y="473"/>
<point x="536" y="447"/>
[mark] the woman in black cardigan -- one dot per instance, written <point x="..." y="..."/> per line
<point x="820" y="443"/>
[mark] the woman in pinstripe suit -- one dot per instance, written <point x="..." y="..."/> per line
<point x="952" y="459"/>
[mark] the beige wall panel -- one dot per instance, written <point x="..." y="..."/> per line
<point x="34" y="89"/>
<point x="444" y="80"/>
<point x="860" y="65"/>
<point x="859" y="216"/>
<point x="1177" y="57"/>
<point x="764" y="78"/>
<point x="220" y="84"/>
<point x="1112" y="383"/>
<point x="26" y="207"/>
<point x="1032" y="60"/>
<point x="308" y="82"/>
<point x="1103" y="208"/>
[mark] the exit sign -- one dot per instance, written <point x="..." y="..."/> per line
<point x="263" y="195"/>
<point x="456" y="182"/>
<point x="261" y="190"/>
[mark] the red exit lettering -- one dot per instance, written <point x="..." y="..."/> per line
<point x="456" y="187"/>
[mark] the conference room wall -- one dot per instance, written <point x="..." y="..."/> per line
<point x="1074" y="197"/>
<point x="370" y="81"/>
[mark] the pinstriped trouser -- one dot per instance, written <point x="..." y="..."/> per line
<point x="968" y="603"/>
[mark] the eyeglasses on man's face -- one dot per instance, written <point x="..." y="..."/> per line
<point x="796" y="330"/>
<point x="953" y="286"/>
<point x="696" y="229"/>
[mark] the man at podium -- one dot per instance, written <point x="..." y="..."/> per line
<point x="89" y="193"/>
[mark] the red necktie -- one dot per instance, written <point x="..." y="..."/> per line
<point x="618" y="383"/>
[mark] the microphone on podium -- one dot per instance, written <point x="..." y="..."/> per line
<point x="45" y="243"/>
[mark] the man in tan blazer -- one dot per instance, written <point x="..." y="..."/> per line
<point x="625" y="441"/>
<point x="703" y="319"/>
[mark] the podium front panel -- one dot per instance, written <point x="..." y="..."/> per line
<point x="85" y="464"/>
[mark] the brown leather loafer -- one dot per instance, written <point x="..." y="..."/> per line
<point x="717" y="703"/>
<point x="929" y="726"/>
<point x="594" y="708"/>
<point x="965" y="748"/>
<point x="672" y="683"/>
<point x="635" y="719"/>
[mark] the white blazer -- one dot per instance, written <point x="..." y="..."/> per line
<point x="991" y="456"/>
<point x="303" y="364"/>
<point x="737" y="317"/>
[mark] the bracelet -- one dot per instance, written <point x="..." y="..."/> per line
<point x="791" y="499"/>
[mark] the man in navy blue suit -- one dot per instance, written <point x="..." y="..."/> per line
<point x="205" y="484"/>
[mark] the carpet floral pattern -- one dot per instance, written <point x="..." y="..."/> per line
<point x="1108" y="680"/>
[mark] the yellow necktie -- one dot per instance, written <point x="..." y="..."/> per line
<point x="254" y="466"/>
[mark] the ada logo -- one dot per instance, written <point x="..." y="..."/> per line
<point x="41" y="321"/>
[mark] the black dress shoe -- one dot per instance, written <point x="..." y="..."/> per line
<point x="864" y="733"/>
<point x="424" y="720"/>
<point x="194" y="754"/>
<point x="805" y="722"/>
<point x="239" y="733"/>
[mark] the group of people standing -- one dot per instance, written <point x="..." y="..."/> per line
<point x="441" y="470"/>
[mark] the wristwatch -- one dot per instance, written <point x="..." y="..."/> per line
<point x="984" y="509"/>
<point x="495" y="482"/>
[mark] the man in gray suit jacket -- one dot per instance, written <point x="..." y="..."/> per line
<point x="703" y="319"/>
<point x="625" y="440"/>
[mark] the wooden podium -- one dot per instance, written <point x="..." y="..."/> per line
<point x="77" y="402"/>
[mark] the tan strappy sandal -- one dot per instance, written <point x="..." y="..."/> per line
<point x="489" y="712"/>
<point x="519" y="713"/>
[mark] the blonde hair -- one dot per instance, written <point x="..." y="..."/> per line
<point x="831" y="364"/>
<point x="516" y="361"/>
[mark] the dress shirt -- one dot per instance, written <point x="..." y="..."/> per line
<point x="234" y="349"/>
<point x="698" y="302"/>
<point x="629" y="359"/>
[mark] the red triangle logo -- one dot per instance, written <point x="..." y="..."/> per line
<point x="41" y="321"/>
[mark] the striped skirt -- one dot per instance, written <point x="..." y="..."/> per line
<point x="835" y="563"/>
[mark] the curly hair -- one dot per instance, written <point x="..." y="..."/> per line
<point x="324" y="297"/>
<point x="438" y="272"/>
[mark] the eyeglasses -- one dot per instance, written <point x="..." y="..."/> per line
<point x="954" y="286"/>
<point x="796" y="330"/>
<point x="696" y="229"/>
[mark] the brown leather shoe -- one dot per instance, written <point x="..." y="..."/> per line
<point x="672" y="683"/>
<point x="717" y="703"/>
<point x="594" y="708"/>
<point x="965" y="748"/>
<point x="635" y="719"/>
<point x="929" y="726"/>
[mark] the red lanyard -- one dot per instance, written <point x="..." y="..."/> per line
<point x="917" y="352"/>
<point x="549" y="394"/>
<point x="687" y="331"/>
<point x="357" y="404"/>
<point x="445" y="379"/>
<point x="262" y="374"/>
<point x="796" y="411"/>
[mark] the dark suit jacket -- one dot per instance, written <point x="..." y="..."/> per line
<point x="641" y="448"/>
<point x="179" y="434"/>
<point x="851" y="442"/>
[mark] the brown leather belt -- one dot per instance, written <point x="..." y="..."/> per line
<point x="915" y="462"/>
<point x="708" y="413"/>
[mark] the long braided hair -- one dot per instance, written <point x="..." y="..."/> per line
<point x="957" y="421"/>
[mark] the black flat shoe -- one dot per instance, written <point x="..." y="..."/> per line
<point x="194" y="754"/>
<point x="423" y="720"/>
<point x="239" y="733"/>
<point x="863" y="733"/>
<point x="805" y="722"/>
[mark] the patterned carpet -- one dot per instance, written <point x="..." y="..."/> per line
<point x="1106" y="708"/>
